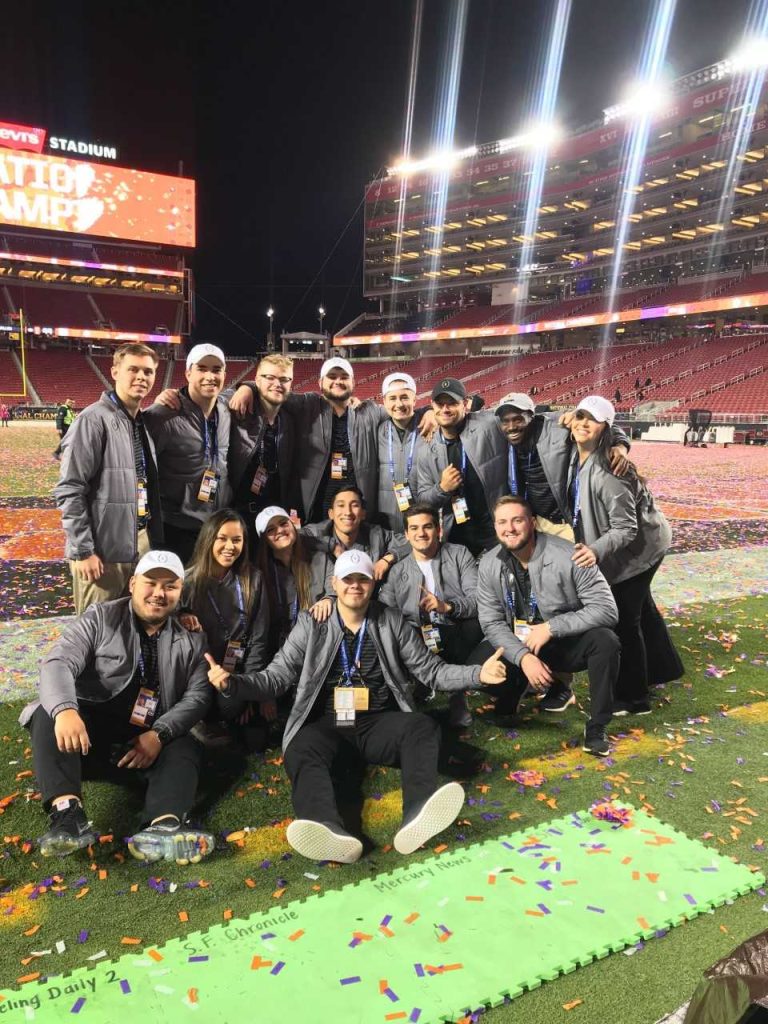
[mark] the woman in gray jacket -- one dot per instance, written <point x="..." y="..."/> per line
<point x="618" y="528"/>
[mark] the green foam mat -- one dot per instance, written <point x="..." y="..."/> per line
<point x="424" y="943"/>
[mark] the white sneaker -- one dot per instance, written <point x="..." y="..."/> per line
<point x="317" y="840"/>
<point x="434" y="815"/>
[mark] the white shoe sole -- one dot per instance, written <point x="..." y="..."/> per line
<point x="441" y="810"/>
<point x="316" y="841"/>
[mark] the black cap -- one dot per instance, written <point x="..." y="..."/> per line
<point x="451" y="387"/>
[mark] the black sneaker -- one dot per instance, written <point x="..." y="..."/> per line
<point x="169" y="840"/>
<point x="434" y="815"/>
<point x="556" y="700"/>
<point x="321" y="840"/>
<point x="70" y="830"/>
<point x="596" y="742"/>
<point x="636" y="707"/>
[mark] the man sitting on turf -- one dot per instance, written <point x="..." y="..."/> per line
<point x="352" y="677"/>
<point x="124" y="685"/>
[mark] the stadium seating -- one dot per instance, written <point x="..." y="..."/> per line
<point x="11" y="378"/>
<point x="58" y="374"/>
<point x="139" y="313"/>
<point x="48" y="307"/>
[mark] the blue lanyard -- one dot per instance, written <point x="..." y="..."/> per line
<point x="409" y="463"/>
<point x="211" y="438"/>
<point x="134" y="427"/>
<point x="510" y="598"/>
<point x="240" y="610"/>
<point x="293" y="610"/>
<point x="349" y="669"/>
<point x="576" y="493"/>
<point x="512" y="476"/>
<point x="463" y="452"/>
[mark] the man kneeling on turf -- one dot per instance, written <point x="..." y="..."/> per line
<point x="353" y="677"/>
<point x="119" y="692"/>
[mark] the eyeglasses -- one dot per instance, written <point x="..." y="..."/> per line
<point x="271" y="379"/>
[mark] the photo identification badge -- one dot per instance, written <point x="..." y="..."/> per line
<point x="522" y="630"/>
<point x="142" y="498"/>
<point x="338" y="466"/>
<point x="145" y="707"/>
<point x="431" y="635"/>
<point x="232" y="655"/>
<point x="460" y="510"/>
<point x="344" y="705"/>
<point x="259" y="480"/>
<point x="208" y="486"/>
<point x="403" y="496"/>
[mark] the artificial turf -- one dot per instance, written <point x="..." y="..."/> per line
<point x="697" y="763"/>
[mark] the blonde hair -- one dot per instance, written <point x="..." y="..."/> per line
<point x="133" y="348"/>
<point x="281" y="362"/>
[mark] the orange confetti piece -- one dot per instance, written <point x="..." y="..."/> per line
<point x="183" y="916"/>
<point x="33" y="930"/>
<point x="626" y="860"/>
<point x="250" y="883"/>
<point x="102" y="874"/>
<point x="573" y="1004"/>
<point x="643" y="922"/>
<point x="535" y="913"/>
<point x="128" y="941"/>
<point x="277" y="894"/>
<point x="227" y="915"/>
<point x="296" y="935"/>
<point x="386" y="932"/>
<point x="383" y="984"/>
<point x="491" y="879"/>
<point x="257" y="963"/>
<point x="28" y="977"/>
<point x="635" y="876"/>
<point x="652" y="876"/>
<point x="414" y="916"/>
<point x="514" y="878"/>
<point x="235" y="837"/>
<point x="474" y="899"/>
<point x="439" y="849"/>
<point x="192" y="995"/>
<point x="106" y="839"/>
<point x="400" y="1015"/>
<point x="154" y="955"/>
<point x="570" y="881"/>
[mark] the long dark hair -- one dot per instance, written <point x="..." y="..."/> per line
<point x="202" y="568"/>
<point x="300" y="570"/>
<point x="603" y="455"/>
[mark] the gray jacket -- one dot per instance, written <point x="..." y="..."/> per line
<point x="389" y="513"/>
<point x="555" y="446"/>
<point x="455" y="581"/>
<point x="570" y="599"/>
<point x="306" y="658"/>
<point x="97" y="656"/>
<point x="373" y="539"/>
<point x="181" y="462"/>
<point x="314" y="424"/>
<point x="486" y="449"/>
<point x="620" y="522"/>
<point x="245" y="438"/>
<point x="97" y="485"/>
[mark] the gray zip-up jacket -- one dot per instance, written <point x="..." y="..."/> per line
<point x="97" y="656"/>
<point x="486" y="449"/>
<point x="181" y="460"/>
<point x="389" y="513"/>
<point x="245" y="437"/>
<point x="314" y="423"/>
<point x="554" y="446"/>
<point x="97" y="486"/>
<point x="373" y="539"/>
<point x="306" y="658"/>
<point x="620" y="522"/>
<point x="455" y="573"/>
<point x="570" y="599"/>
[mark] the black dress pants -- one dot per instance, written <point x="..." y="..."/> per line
<point x="404" y="739"/>
<point x="171" y="780"/>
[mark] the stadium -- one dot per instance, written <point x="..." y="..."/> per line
<point x="659" y="305"/>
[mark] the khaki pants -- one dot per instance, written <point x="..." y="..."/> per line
<point x="564" y="530"/>
<point x="112" y="583"/>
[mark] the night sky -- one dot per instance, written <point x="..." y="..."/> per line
<point x="283" y="110"/>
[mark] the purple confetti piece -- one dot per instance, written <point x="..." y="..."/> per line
<point x="197" y="959"/>
<point x="543" y="908"/>
<point x="125" y="988"/>
<point x="690" y="898"/>
<point x="350" y="981"/>
<point x="77" y="1007"/>
<point x="391" y="995"/>
<point x="82" y="936"/>
<point x="419" y="970"/>
<point x="268" y="935"/>
<point x="596" y="910"/>
<point x="280" y="965"/>
<point x="415" y="1014"/>
<point x="385" y="921"/>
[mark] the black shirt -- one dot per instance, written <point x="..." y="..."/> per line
<point x="265" y="455"/>
<point x="478" y="532"/>
<point x="147" y="674"/>
<point x="380" y="697"/>
<point x="328" y="486"/>
<point x="533" y="484"/>
<point x="518" y="582"/>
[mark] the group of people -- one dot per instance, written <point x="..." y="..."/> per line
<point x="257" y="555"/>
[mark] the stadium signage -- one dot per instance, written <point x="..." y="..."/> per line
<point x="61" y="145"/>
<point x="21" y="136"/>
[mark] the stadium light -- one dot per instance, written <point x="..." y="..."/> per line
<point x="539" y="136"/>
<point x="642" y="99"/>
<point x="321" y="316"/>
<point x="750" y="57"/>
<point x="270" y="337"/>
<point x="434" y="162"/>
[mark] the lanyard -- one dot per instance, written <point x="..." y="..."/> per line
<point x="409" y="462"/>
<point x="135" y="429"/>
<point x="349" y="669"/>
<point x="262" y="449"/>
<point x="576" y="494"/>
<point x="211" y="438"/>
<point x="240" y="610"/>
<point x="150" y="684"/>
<point x="293" y="610"/>
<point x="463" y="452"/>
<point x="510" y="598"/>
<point x="512" y="475"/>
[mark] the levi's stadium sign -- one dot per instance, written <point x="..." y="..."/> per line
<point x="51" y="192"/>
<point x="22" y="136"/>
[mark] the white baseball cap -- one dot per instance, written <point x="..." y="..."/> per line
<point x="599" y="408"/>
<point x="337" y="363"/>
<point x="351" y="562"/>
<point x="398" y="381"/>
<point x="516" y="400"/>
<point x="266" y="515"/>
<point x="201" y="351"/>
<point x="159" y="560"/>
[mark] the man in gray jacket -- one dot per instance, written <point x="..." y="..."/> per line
<point x="124" y="685"/>
<point x="435" y="589"/>
<point x="108" y="488"/>
<point x="399" y="442"/>
<point x="463" y="469"/>
<point x="549" y="615"/>
<point x="192" y="445"/>
<point x="353" y="685"/>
